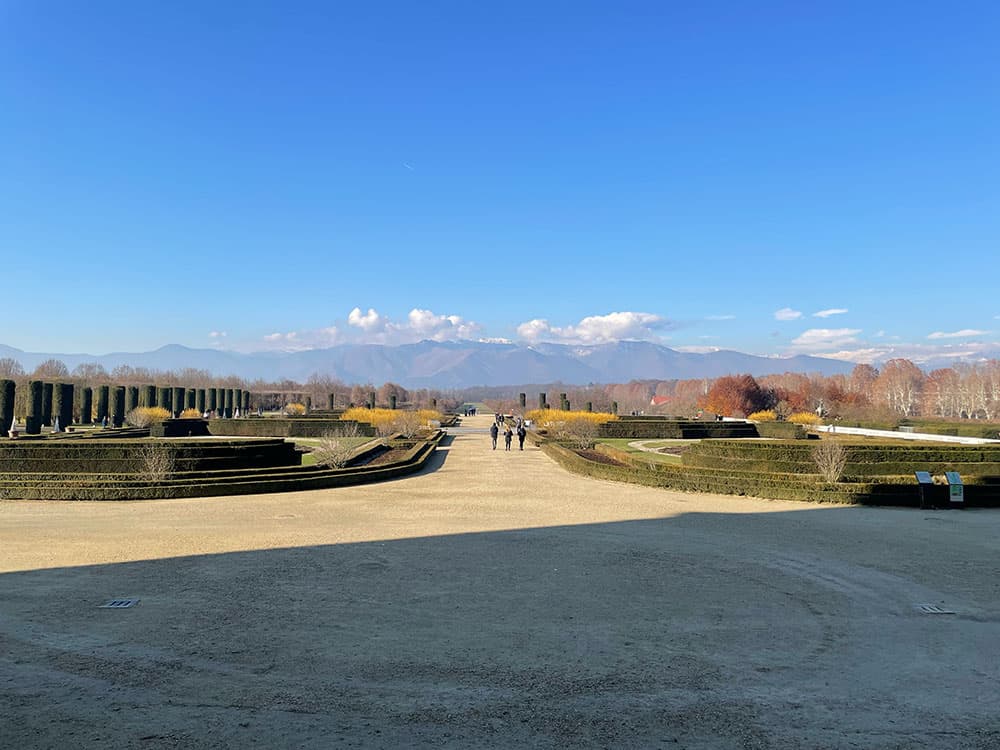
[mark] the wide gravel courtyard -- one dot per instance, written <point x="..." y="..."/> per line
<point x="496" y="600"/>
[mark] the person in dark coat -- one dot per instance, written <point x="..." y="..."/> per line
<point x="507" y="435"/>
<point x="521" y="432"/>
<point x="494" y="431"/>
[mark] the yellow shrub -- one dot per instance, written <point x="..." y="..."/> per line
<point x="804" y="417"/>
<point x="295" y="410"/>
<point x="549" y="418"/>
<point x="388" y="421"/>
<point x="144" y="416"/>
<point x="767" y="415"/>
<point x="190" y="414"/>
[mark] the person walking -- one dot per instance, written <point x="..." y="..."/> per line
<point x="521" y="432"/>
<point x="507" y="435"/>
<point x="494" y="431"/>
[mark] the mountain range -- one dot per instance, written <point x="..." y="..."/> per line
<point x="454" y="364"/>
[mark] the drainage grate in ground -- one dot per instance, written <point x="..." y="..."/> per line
<point x="119" y="603"/>
<point x="933" y="609"/>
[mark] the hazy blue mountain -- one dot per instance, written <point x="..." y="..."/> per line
<point x="455" y="364"/>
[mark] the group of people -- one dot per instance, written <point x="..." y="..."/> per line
<point x="508" y="434"/>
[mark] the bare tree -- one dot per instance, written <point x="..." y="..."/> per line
<point x="407" y="423"/>
<point x="10" y="368"/>
<point x="336" y="451"/>
<point x="577" y="432"/>
<point x="830" y="458"/>
<point x="156" y="462"/>
<point x="51" y="368"/>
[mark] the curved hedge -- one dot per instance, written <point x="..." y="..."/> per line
<point x="123" y="485"/>
<point x="773" y="484"/>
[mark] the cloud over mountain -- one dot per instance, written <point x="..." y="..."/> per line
<point x="596" y="329"/>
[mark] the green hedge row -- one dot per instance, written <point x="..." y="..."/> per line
<point x="859" y="452"/>
<point x="888" y="491"/>
<point x="781" y="430"/>
<point x="62" y="457"/>
<point x="636" y="429"/>
<point x="933" y="427"/>
<point x="123" y="487"/>
<point x="270" y="427"/>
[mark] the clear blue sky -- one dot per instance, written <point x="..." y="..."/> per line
<point x="170" y="171"/>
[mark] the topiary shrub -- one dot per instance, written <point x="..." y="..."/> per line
<point x="118" y="406"/>
<point x="7" y="389"/>
<point x="47" y="404"/>
<point x="62" y="404"/>
<point x="87" y="406"/>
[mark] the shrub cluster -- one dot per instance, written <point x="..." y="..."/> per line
<point x="805" y="417"/>
<point x="768" y="415"/>
<point x="391" y="421"/>
<point x="144" y="416"/>
<point x="550" y="419"/>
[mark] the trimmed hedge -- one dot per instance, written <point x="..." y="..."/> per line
<point x="125" y="456"/>
<point x="33" y="420"/>
<point x="969" y="428"/>
<point x="87" y="406"/>
<point x="179" y="428"/>
<point x="47" y="404"/>
<point x="781" y="430"/>
<point x="123" y="486"/>
<point x="7" y="389"/>
<point x="62" y="404"/>
<point x="636" y="428"/>
<point x="887" y="490"/>
<point x="297" y="427"/>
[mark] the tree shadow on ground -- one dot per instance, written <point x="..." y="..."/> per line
<point x="782" y="629"/>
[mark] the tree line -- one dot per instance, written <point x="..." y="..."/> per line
<point x="897" y="389"/>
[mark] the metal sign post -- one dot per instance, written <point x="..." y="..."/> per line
<point x="924" y="480"/>
<point x="956" y="490"/>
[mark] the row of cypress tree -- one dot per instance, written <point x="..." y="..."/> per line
<point x="50" y="401"/>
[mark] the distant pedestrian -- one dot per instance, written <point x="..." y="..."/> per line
<point x="507" y="435"/>
<point x="521" y="432"/>
<point x="494" y="431"/>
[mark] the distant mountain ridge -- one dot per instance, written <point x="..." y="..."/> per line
<point x="455" y="364"/>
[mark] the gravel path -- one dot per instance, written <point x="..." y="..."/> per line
<point x="497" y="601"/>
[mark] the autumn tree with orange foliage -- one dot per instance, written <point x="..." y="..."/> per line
<point x="736" y="395"/>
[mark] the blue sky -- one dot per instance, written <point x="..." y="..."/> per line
<point x="768" y="177"/>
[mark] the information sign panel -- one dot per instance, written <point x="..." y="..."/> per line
<point x="956" y="491"/>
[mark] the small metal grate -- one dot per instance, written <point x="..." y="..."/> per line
<point x="933" y="609"/>
<point x="119" y="603"/>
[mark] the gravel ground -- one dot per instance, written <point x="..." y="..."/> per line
<point x="495" y="601"/>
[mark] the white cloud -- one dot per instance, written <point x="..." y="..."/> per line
<point x="494" y="340"/>
<point x="965" y="333"/>
<point x="787" y="313"/>
<point x="721" y="317"/>
<point x="368" y="322"/>
<point x="828" y="313"/>
<point x="595" y="329"/>
<point x="697" y="349"/>
<point x="424" y="324"/>
<point x="217" y="335"/>
<point x="818" y="339"/>
<point x="919" y="354"/>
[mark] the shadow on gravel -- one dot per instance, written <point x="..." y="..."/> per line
<point x="706" y="630"/>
